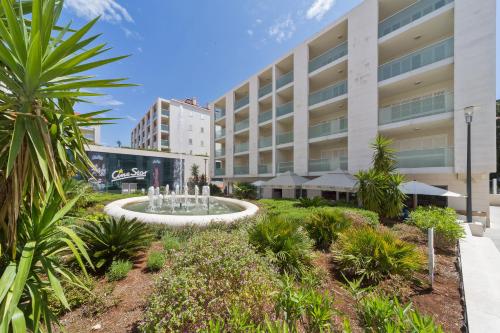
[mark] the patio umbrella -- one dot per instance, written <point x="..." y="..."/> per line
<point x="415" y="188"/>
<point x="286" y="180"/>
<point x="336" y="181"/>
<point x="259" y="184"/>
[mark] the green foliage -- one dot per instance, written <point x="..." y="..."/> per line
<point x="375" y="254"/>
<point x="75" y="295"/>
<point x="170" y="242"/>
<point x="314" y="202"/>
<point x="381" y="314"/>
<point x="213" y="273"/>
<point x="444" y="222"/>
<point x="360" y="216"/>
<point x="384" y="157"/>
<point x="114" y="239"/>
<point x="245" y="191"/>
<point x="118" y="270"/>
<point x="196" y="179"/>
<point x="215" y="190"/>
<point x="155" y="261"/>
<point x="285" y="241"/>
<point x="324" y="226"/>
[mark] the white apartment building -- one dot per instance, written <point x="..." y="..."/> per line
<point x="403" y="68"/>
<point x="92" y="133"/>
<point x="174" y="126"/>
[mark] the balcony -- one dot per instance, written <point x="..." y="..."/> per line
<point x="285" y="167"/>
<point x="265" y="141"/>
<point x="416" y="108"/>
<point x="220" y="133"/>
<point x="330" y="92"/>
<point x="239" y="103"/>
<point x="283" y="138"/>
<point x="265" y="168"/>
<point x="241" y="125"/>
<point x="416" y="60"/>
<point x="219" y="113"/>
<point x="426" y="158"/>
<point x="325" y="165"/>
<point x="265" y="116"/>
<point x="284" y="79"/>
<point x="165" y="113"/>
<point x="240" y="147"/>
<point x="284" y="109"/>
<point x="164" y="143"/>
<point x="219" y="172"/>
<point x="240" y="170"/>
<point x="220" y="152"/>
<point x="165" y="128"/>
<point x="409" y="15"/>
<point x="328" y="57"/>
<point x="334" y="126"/>
<point x="265" y="90"/>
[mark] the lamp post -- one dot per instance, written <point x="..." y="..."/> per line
<point x="206" y="176"/>
<point x="468" y="120"/>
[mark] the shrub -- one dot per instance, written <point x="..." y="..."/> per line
<point x="245" y="191"/>
<point x="113" y="239"/>
<point x="375" y="254"/>
<point x="409" y="233"/>
<point x="118" y="270"/>
<point x="324" y="226"/>
<point x="314" y="202"/>
<point x="444" y="222"/>
<point x="215" y="190"/>
<point x="286" y="241"/>
<point x="75" y="295"/>
<point x="170" y="242"/>
<point x="214" y="272"/>
<point x="155" y="261"/>
<point x="360" y="216"/>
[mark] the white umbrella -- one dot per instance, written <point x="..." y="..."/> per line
<point x="286" y="180"/>
<point x="415" y="188"/>
<point x="335" y="181"/>
<point x="258" y="183"/>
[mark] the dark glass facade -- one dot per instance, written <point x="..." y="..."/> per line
<point x="112" y="171"/>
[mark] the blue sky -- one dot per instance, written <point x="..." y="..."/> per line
<point x="184" y="48"/>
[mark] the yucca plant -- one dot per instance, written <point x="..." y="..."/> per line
<point x="324" y="226"/>
<point x="314" y="202"/>
<point x="113" y="239"/>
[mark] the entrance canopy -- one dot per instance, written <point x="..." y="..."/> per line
<point x="337" y="181"/>
<point x="417" y="188"/>
<point x="286" y="180"/>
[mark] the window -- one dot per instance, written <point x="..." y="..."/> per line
<point x="202" y="130"/>
<point x="202" y="143"/>
<point x="190" y="142"/>
<point x="190" y="127"/>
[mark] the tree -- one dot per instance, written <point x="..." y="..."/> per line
<point x="196" y="179"/>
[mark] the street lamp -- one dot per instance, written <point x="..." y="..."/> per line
<point x="206" y="176"/>
<point x="468" y="111"/>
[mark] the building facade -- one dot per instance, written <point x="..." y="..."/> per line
<point x="405" y="69"/>
<point x="174" y="126"/>
<point x="92" y="134"/>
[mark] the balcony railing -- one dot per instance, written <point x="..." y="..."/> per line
<point x="240" y="169"/>
<point x="239" y="103"/>
<point x="409" y="15"/>
<point x="165" y="113"/>
<point x="328" y="57"/>
<point x="240" y="147"/>
<point x="264" y="90"/>
<point x="220" y="133"/>
<point x="284" y="79"/>
<point x="285" y="166"/>
<point x="265" y="141"/>
<point x="220" y="113"/>
<point x="334" y="126"/>
<point x="416" y="108"/>
<point x="241" y="125"/>
<point x="418" y="59"/>
<point x="164" y="143"/>
<point x="265" y="116"/>
<point x="220" y="152"/>
<point x="265" y="168"/>
<point x="425" y="158"/>
<point x="335" y="90"/>
<point x="219" y="172"/>
<point x="282" y="138"/>
<point x="165" y="128"/>
<point x="324" y="165"/>
<point x="284" y="109"/>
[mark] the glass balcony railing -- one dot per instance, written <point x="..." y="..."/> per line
<point x="284" y="79"/>
<point x="416" y="108"/>
<point x="264" y="90"/>
<point x="165" y="113"/>
<point x="282" y="138"/>
<point x="241" y="125"/>
<point x="285" y="166"/>
<point x="240" y="147"/>
<point x="265" y="116"/>
<point x="164" y="143"/>
<point x="409" y="15"/>
<point x="220" y="133"/>
<point x="335" y="90"/>
<point x="326" y="128"/>
<point x="240" y="169"/>
<point x="328" y="57"/>
<point x="219" y="172"/>
<point x="284" y="109"/>
<point x="265" y="168"/>
<point x="324" y="165"/>
<point x="165" y="128"/>
<point x="265" y="141"/>
<point x="426" y="158"/>
<point x="220" y="152"/>
<point x="219" y="113"/>
<point x="239" y="103"/>
<point x="417" y="59"/>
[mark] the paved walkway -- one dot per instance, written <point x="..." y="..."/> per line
<point x="481" y="275"/>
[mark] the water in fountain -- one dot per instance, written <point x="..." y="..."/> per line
<point x="196" y="194"/>
<point x="205" y="193"/>
<point x="167" y="192"/>
<point x="151" y="197"/>
<point x="172" y="201"/>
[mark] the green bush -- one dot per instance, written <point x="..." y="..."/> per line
<point x="213" y="273"/>
<point x="113" y="239"/>
<point x="444" y="222"/>
<point x="215" y="190"/>
<point x="314" y="202"/>
<point x="245" y="191"/>
<point x="118" y="270"/>
<point x="324" y="226"/>
<point x="155" y="261"/>
<point x="285" y="240"/>
<point x="75" y="295"/>
<point x="170" y="242"/>
<point x="375" y="254"/>
<point x="382" y="314"/>
<point x="361" y="216"/>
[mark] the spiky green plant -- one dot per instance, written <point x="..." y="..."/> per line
<point x="324" y="226"/>
<point x="384" y="156"/>
<point x="312" y="202"/>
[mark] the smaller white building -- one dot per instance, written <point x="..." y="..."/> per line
<point x="92" y="133"/>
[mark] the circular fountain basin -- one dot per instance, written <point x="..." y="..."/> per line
<point x="221" y="210"/>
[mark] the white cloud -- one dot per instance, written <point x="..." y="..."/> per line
<point x="250" y="32"/>
<point x="319" y="8"/>
<point x="139" y="49"/>
<point x="283" y="29"/>
<point x="131" y="34"/>
<point x="106" y="100"/>
<point x="110" y="10"/>
<point x="132" y="119"/>
<point x="258" y="21"/>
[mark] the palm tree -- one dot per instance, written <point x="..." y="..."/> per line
<point x="384" y="159"/>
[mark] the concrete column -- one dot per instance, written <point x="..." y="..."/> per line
<point x="273" y="167"/>
<point x="254" y="126"/>
<point x="300" y="110"/>
<point x="229" y="134"/>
